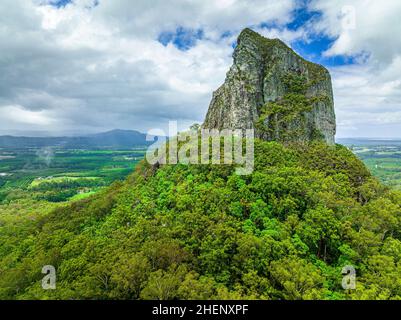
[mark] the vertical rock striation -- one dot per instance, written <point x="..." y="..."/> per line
<point x="273" y="90"/>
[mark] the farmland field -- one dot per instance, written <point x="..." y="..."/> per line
<point x="57" y="175"/>
<point x="382" y="157"/>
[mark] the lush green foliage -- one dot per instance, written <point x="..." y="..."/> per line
<point x="203" y="232"/>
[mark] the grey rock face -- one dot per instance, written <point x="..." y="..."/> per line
<point x="273" y="90"/>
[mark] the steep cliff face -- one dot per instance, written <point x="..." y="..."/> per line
<point x="273" y="90"/>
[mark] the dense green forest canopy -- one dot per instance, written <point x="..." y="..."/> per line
<point x="203" y="232"/>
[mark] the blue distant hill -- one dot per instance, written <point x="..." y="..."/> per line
<point x="114" y="139"/>
<point x="369" y="141"/>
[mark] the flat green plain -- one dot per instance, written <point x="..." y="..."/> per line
<point x="58" y="175"/>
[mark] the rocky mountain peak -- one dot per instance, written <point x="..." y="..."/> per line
<point x="271" y="89"/>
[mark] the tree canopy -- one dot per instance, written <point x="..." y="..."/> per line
<point x="202" y="232"/>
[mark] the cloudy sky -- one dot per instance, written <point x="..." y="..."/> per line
<point x="86" y="66"/>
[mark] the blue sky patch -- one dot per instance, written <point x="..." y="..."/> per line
<point x="60" y="3"/>
<point x="314" y="49"/>
<point x="317" y="44"/>
<point x="303" y="15"/>
<point x="63" y="3"/>
<point x="182" y="38"/>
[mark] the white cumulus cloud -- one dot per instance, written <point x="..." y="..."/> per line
<point x="92" y="65"/>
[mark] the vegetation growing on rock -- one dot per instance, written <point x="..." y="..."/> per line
<point x="277" y="92"/>
<point x="286" y="118"/>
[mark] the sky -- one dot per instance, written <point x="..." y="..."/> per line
<point x="86" y="66"/>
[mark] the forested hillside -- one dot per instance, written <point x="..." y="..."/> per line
<point x="203" y="232"/>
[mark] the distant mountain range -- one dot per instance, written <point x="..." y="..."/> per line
<point x="114" y="139"/>
<point x="369" y="141"/>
